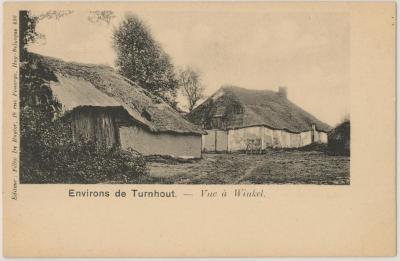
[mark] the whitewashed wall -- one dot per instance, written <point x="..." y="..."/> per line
<point x="268" y="138"/>
<point x="221" y="143"/>
<point x="306" y="138"/>
<point x="277" y="138"/>
<point x="208" y="141"/>
<point x="150" y="143"/>
<point x="323" y="137"/>
<point x="285" y="139"/>
<point x="237" y="139"/>
<point x="295" y="140"/>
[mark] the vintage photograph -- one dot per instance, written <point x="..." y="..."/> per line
<point x="184" y="97"/>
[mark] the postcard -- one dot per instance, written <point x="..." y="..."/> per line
<point x="199" y="129"/>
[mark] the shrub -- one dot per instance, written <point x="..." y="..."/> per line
<point x="51" y="158"/>
<point x="339" y="139"/>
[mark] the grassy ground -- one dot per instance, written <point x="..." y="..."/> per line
<point x="273" y="167"/>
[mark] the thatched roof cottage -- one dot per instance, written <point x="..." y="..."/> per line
<point x="111" y="110"/>
<point x="241" y="119"/>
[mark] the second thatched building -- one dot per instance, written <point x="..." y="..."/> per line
<point x="241" y="119"/>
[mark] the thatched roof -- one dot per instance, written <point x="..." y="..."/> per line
<point x="238" y="108"/>
<point x="75" y="92"/>
<point x="77" y="85"/>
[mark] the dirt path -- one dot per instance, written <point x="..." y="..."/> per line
<point x="247" y="174"/>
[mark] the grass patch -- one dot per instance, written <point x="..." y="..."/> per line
<point x="272" y="167"/>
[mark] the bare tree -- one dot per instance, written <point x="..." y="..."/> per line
<point x="101" y="16"/>
<point x="191" y="87"/>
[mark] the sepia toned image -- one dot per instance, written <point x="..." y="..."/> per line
<point x="199" y="129"/>
<point x="184" y="97"/>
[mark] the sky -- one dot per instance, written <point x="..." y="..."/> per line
<point x="306" y="52"/>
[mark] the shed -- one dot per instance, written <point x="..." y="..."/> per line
<point x="111" y="110"/>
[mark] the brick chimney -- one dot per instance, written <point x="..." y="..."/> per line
<point x="282" y="91"/>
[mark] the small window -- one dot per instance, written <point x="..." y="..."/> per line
<point x="145" y="114"/>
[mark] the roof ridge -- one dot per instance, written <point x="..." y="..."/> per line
<point x="260" y="107"/>
<point x="56" y="59"/>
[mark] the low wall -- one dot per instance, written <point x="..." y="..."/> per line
<point x="239" y="139"/>
<point x="149" y="143"/>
